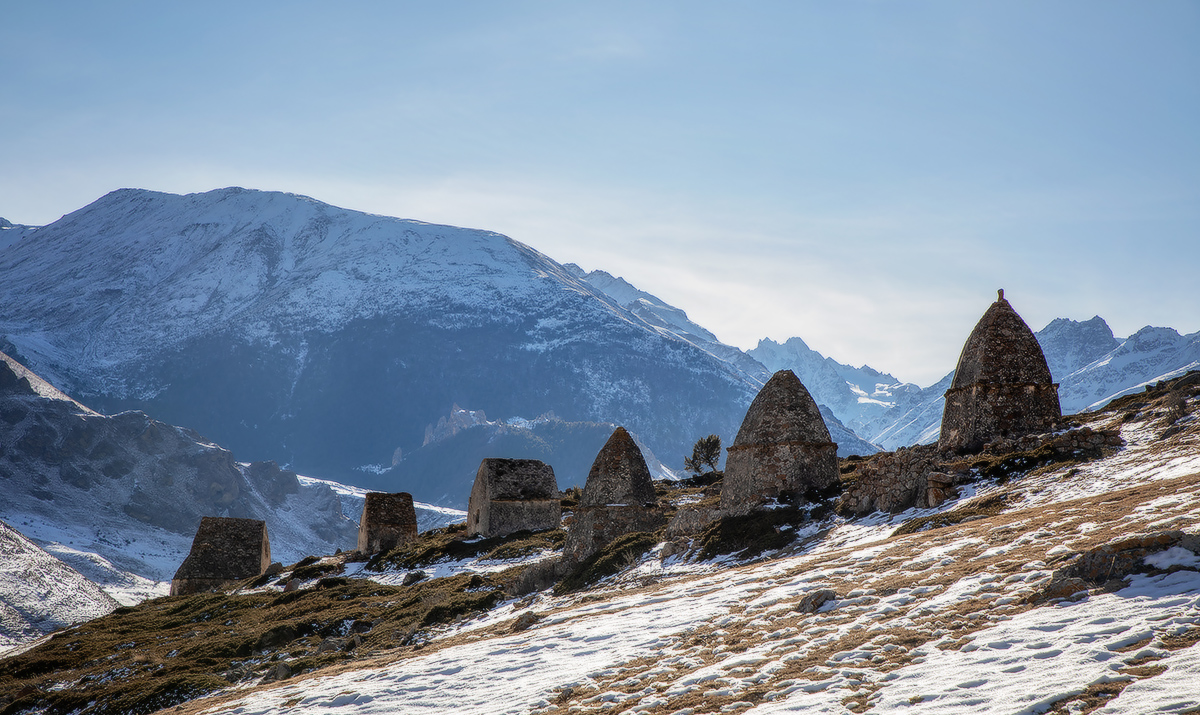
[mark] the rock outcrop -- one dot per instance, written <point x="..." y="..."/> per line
<point x="618" y="498"/>
<point x="782" y="450"/>
<point x="1002" y="385"/>
<point x="513" y="495"/>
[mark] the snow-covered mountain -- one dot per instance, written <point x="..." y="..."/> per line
<point x="673" y="321"/>
<point x="669" y="320"/>
<point x="1146" y="357"/>
<point x="117" y="499"/>
<point x="1091" y="366"/>
<point x="875" y="405"/>
<point x="288" y="329"/>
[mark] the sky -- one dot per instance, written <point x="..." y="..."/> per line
<point x="863" y="175"/>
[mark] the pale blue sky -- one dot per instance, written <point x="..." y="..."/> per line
<point x="863" y="175"/>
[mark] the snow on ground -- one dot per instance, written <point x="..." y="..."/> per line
<point x="1048" y="654"/>
<point x="957" y="620"/>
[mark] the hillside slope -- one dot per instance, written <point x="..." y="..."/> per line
<point x="39" y="594"/>
<point x="1070" y="588"/>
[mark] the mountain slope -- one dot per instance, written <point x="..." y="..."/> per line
<point x="40" y="594"/>
<point x="118" y="498"/>
<point x="671" y="320"/>
<point x="1146" y="357"/>
<point x="325" y="338"/>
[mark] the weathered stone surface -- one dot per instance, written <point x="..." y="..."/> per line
<point x="619" y="475"/>
<point x="225" y="550"/>
<point x="595" y="527"/>
<point x="512" y="495"/>
<point x="1002" y="386"/>
<point x="524" y="621"/>
<point x="1123" y="556"/>
<point x="813" y="600"/>
<point x="925" y="476"/>
<point x="691" y="520"/>
<point x="388" y="520"/>
<point x="618" y="498"/>
<point x="782" y="449"/>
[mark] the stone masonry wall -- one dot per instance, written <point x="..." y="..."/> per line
<point x="775" y="470"/>
<point x="924" y="476"/>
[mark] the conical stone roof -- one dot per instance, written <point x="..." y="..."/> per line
<point x="1001" y="350"/>
<point x="1002" y="386"/>
<point x="782" y="412"/>
<point x="783" y="449"/>
<point x="619" y="475"/>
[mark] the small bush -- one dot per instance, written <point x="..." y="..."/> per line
<point x="751" y="534"/>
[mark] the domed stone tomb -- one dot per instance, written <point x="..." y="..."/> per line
<point x="618" y="498"/>
<point x="783" y="448"/>
<point x="388" y="520"/>
<point x="1002" y="386"/>
<point x="513" y="495"/>
<point x="224" y="551"/>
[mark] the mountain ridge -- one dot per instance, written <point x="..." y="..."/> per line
<point x="324" y="338"/>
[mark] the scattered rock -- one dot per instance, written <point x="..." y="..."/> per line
<point x="524" y="621"/>
<point x="1123" y="556"/>
<point x="674" y="547"/>
<point x="691" y="520"/>
<point x="813" y="601"/>
<point x="276" y="637"/>
<point x="1073" y="589"/>
<point x="279" y="671"/>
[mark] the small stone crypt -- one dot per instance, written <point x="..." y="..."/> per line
<point x="1002" y="386"/>
<point x="388" y="520"/>
<point x="782" y="450"/>
<point x="618" y="498"/>
<point x="513" y="495"/>
<point x="225" y="550"/>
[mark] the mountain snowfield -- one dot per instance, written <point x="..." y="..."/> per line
<point x="987" y="615"/>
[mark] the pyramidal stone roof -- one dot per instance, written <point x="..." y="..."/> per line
<point x="782" y="412"/>
<point x="619" y="475"/>
<point x="1001" y="350"/>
